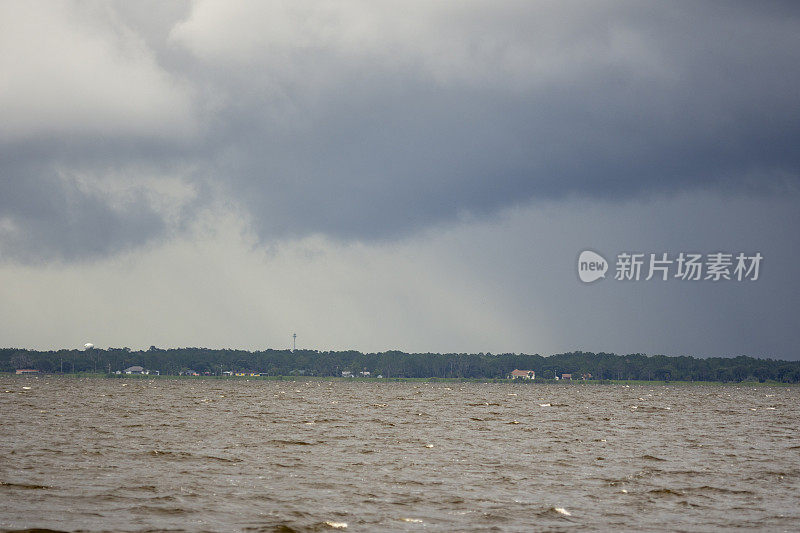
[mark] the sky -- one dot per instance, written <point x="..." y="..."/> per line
<point x="420" y="176"/>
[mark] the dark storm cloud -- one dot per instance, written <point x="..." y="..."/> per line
<point x="630" y="100"/>
<point x="369" y="121"/>
<point x="46" y="216"/>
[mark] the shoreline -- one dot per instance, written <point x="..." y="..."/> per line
<point x="516" y="382"/>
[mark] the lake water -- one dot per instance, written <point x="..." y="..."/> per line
<point x="235" y="455"/>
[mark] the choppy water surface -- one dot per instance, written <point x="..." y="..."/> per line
<point x="221" y="455"/>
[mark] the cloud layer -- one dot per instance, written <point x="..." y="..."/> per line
<point x="413" y="175"/>
<point x="366" y="120"/>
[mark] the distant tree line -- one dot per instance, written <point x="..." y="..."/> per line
<point x="396" y="364"/>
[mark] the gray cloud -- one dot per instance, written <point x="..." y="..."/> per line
<point x="43" y="215"/>
<point x="496" y="107"/>
<point x="371" y="121"/>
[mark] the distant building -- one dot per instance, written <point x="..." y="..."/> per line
<point x="26" y="371"/>
<point x="522" y="374"/>
<point x="347" y="374"/>
<point x="566" y="376"/>
<point x="227" y="373"/>
<point x="365" y="374"/>
<point x="136" y="370"/>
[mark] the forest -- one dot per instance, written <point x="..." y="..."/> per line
<point x="397" y="364"/>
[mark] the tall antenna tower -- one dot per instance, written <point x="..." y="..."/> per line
<point x="294" y="341"/>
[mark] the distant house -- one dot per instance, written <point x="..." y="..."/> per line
<point x="136" y="370"/>
<point x="227" y="373"/>
<point x="365" y="374"/>
<point x="522" y="374"/>
<point x="347" y="374"/>
<point x="566" y="376"/>
<point x="26" y="371"/>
